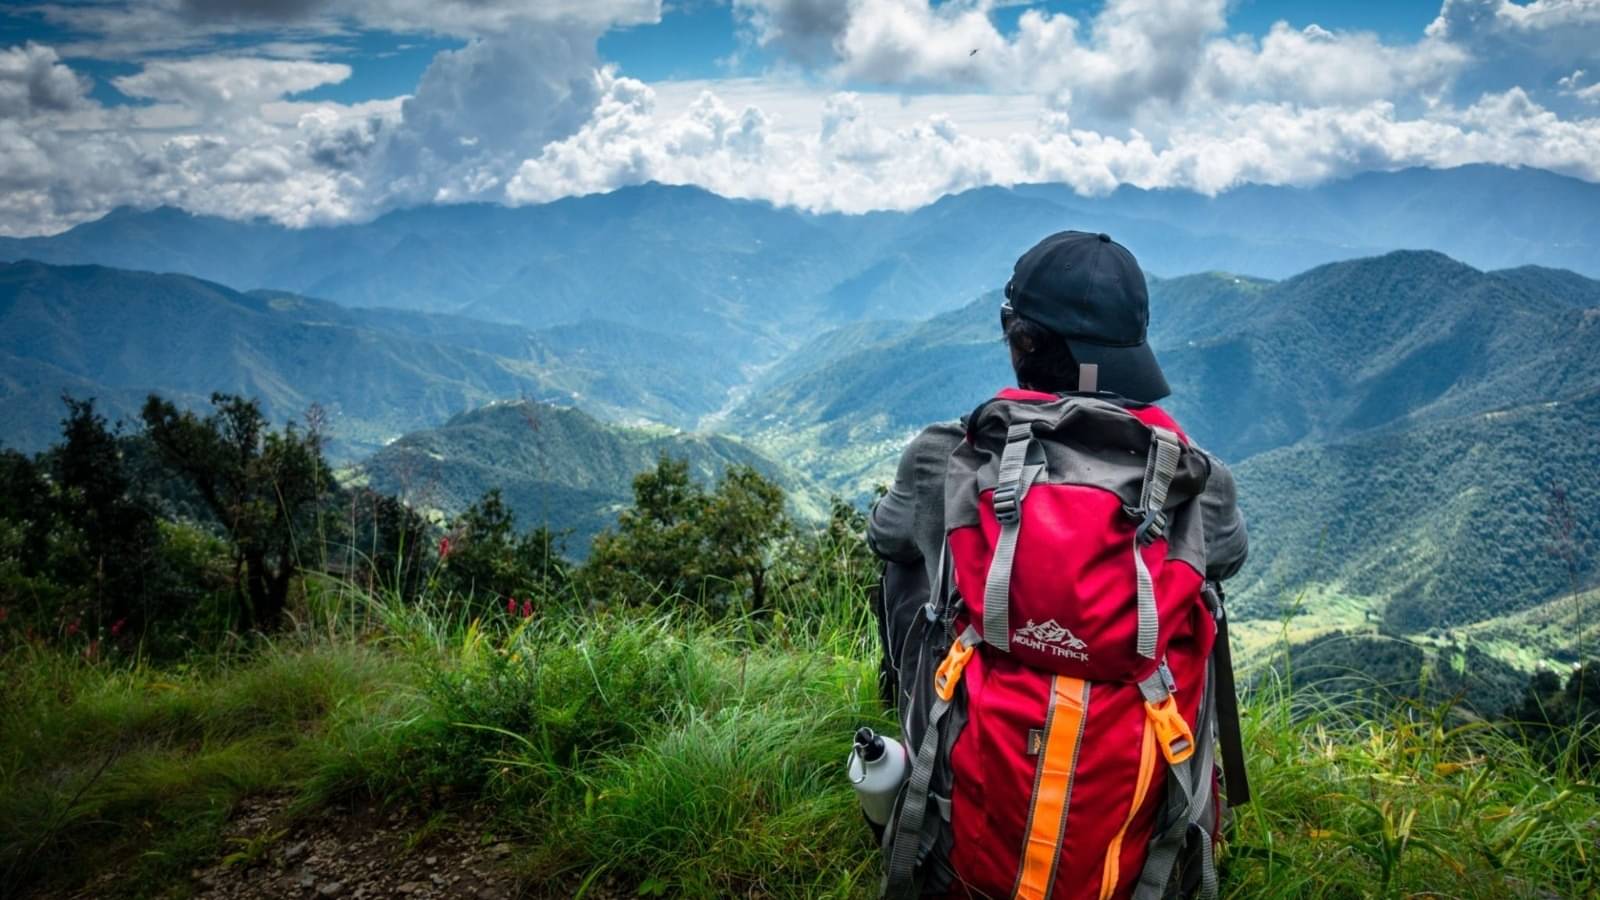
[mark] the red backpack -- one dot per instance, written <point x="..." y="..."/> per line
<point x="1059" y="701"/>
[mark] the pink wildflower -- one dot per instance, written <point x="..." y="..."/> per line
<point x="116" y="628"/>
<point x="527" y="608"/>
<point x="511" y="606"/>
<point x="444" y="548"/>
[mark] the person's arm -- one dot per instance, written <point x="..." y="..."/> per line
<point x="908" y="522"/>
<point x="1227" y="543"/>
<point x="891" y="529"/>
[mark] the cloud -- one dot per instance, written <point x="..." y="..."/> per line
<point x="1154" y="93"/>
<point x="1528" y="44"/>
<point x="1564" y="26"/>
<point x="211" y="84"/>
<point x="481" y="110"/>
<point x="34" y="81"/>
<point x="802" y="29"/>
<point x="854" y="162"/>
<point x="217" y="139"/>
<point x="1138" y="60"/>
<point x="221" y="134"/>
<point x="137" y="28"/>
<point x="1573" y="86"/>
<point x="1316" y="67"/>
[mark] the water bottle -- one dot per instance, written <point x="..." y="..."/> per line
<point x="878" y="766"/>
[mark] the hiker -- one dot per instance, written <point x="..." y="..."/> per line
<point x="1058" y="556"/>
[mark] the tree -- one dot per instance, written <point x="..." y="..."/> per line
<point x="264" y="487"/>
<point x="25" y="506"/>
<point x="833" y="557"/>
<point x="1563" y="721"/>
<point x="120" y="551"/>
<point x="381" y="541"/>
<point x="743" y="522"/>
<point x="680" y="541"/>
<point x="490" y="562"/>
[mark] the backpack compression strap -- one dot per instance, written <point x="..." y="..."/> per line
<point x="1159" y="468"/>
<point x="904" y="838"/>
<point x="1188" y="794"/>
<point x="1017" y="473"/>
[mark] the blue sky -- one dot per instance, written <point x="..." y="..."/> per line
<point x="694" y="39"/>
<point x="314" y="111"/>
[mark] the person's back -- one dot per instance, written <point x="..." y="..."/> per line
<point x="1063" y="530"/>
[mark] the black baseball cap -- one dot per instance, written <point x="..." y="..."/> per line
<point x="1089" y="289"/>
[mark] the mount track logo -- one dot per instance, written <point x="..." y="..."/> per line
<point x="1051" y="636"/>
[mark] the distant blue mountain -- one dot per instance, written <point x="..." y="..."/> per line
<point x="117" y="336"/>
<point x="758" y="280"/>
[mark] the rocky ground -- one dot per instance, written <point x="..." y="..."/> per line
<point x="354" y="853"/>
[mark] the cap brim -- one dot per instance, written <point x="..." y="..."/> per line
<point x="1129" y="371"/>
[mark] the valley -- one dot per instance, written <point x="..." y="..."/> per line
<point x="1401" y="422"/>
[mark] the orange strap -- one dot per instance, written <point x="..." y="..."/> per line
<point x="948" y="675"/>
<point x="1147" y="771"/>
<point x="1052" y="787"/>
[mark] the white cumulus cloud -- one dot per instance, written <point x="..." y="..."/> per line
<point x="34" y="81"/>
<point x="859" y="159"/>
<point x="1154" y="93"/>
<point x="209" y="85"/>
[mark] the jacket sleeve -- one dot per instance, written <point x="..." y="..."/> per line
<point x="909" y="519"/>
<point x="891" y="530"/>
<point x="1227" y="543"/>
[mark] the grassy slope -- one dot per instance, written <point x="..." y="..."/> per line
<point x="691" y="758"/>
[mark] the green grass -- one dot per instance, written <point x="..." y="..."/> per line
<point x="689" y="757"/>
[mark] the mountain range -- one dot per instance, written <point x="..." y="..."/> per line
<point x="1402" y="368"/>
<point x="118" y="335"/>
<point x="757" y="280"/>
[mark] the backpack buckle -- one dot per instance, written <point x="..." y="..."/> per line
<point x="1006" y="508"/>
<point x="1152" y="526"/>
<point x="1172" y="732"/>
<point x="949" y="672"/>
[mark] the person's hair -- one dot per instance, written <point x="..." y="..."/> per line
<point x="1041" y="358"/>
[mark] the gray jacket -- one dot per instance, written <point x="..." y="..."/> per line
<point x="907" y="524"/>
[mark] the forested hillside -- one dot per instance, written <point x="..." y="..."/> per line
<point x="1389" y="341"/>
<point x="554" y="467"/>
<point x="376" y="373"/>
<point x="1433" y="527"/>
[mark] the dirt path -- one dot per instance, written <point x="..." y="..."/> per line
<point x="355" y="851"/>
